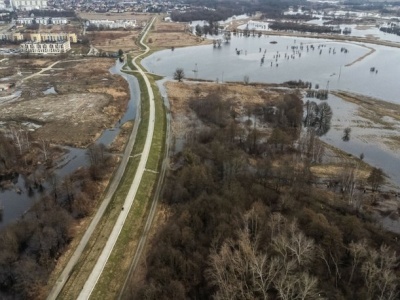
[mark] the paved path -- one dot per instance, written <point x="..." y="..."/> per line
<point x="149" y="222"/>
<point x="62" y="279"/>
<point x="102" y="260"/>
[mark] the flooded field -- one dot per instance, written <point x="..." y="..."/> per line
<point x="327" y="65"/>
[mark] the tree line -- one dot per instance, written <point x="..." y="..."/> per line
<point x="286" y="26"/>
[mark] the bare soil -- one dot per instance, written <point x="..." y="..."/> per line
<point x="88" y="99"/>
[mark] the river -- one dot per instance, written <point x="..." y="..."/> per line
<point x="16" y="201"/>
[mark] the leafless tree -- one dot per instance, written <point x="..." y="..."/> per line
<point x="44" y="147"/>
<point x="241" y="269"/>
<point x="179" y="74"/>
<point x="358" y="251"/>
<point x="378" y="271"/>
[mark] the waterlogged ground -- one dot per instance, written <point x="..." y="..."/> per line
<point x="339" y="71"/>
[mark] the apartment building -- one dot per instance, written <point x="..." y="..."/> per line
<point x="45" y="48"/>
<point x="28" y="4"/>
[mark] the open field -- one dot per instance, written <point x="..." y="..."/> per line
<point x="113" y="40"/>
<point x="170" y="34"/>
<point x="115" y="16"/>
<point x="71" y="103"/>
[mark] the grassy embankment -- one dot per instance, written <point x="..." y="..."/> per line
<point x="117" y="267"/>
<point x="119" y="261"/>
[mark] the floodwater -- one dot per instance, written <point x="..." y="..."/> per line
<point x="375" y="153"/>
<point x="16" y="201"/>
<point x="326" y="69"/>
<point x="317" y="66"/>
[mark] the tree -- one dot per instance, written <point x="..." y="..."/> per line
<point x="376" y="178"/>
<point x="199" y="30"/>
<point x="179" y="74"/>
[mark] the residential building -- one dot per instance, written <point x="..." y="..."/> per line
<point x="11" y="36"/>
<point x="53" y="37"/>
<point x="112" y="24"/>
<point x="45" y="48"/>
<point x="28" y="4"/>
<point x="42" y="20"/>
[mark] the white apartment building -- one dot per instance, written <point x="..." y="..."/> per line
<point x="28" y="4"/>
<point x="112" y="24"/>
<point x="45" y="48"/>
<point x="42" y="20"/>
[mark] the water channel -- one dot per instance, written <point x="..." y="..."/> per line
<point x="16" y="201"/>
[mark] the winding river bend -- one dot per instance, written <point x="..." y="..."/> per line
<point x="16" y="201"/>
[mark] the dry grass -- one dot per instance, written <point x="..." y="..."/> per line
<point x="112" y="41"/>
<point x="179" y="93"/>
<point x="169" y="34"/>
<point x="115" y="16"/>
<point x="88" y="99"/>
<point x="371" y="108"/>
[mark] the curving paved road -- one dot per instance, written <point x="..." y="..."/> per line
<point x="102" y="260"/>
<point x="112" y="188"/>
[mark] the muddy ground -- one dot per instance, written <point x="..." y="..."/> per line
<point x="68" y="104"/>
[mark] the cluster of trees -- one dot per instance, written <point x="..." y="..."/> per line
<point x="318" y="116"/>
<point x="205" y="14"/>
<point x="53" y="13"/>
<point x="30" y="247"/>
<point x="211" y="29"/>
<point x="393" y="30"/>
<point x="249" y="224"/>
<point x="290" y="26"/>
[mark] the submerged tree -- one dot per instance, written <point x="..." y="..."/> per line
<point x="318" y="116"/>
<point x="346" y="134"/>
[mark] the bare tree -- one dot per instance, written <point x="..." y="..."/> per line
<point x="376" y="178"/>
<point x="379" y="275"/>
<point x="179" y="74"/>
<point x="242" y="270"/>
<point x="44" y="147"/>
<point x="358" y="252"/>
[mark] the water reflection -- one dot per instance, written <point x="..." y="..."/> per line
<point x="18" y="199"/>
<point x="326" y="69"/>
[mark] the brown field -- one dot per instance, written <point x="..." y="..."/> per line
<point x="88" y="100"/>
<point x="112" y="41"/>
<point x="169" y="34"/>
<point x="115" y="16"/>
